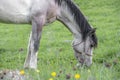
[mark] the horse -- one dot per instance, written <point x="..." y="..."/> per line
<point x="39" y="13"/>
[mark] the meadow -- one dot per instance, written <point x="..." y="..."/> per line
<point x="56" y="53"/>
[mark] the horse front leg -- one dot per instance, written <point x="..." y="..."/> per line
<point x="34" y="41"/>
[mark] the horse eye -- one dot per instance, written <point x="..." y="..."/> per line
<point x="91" y="45"/>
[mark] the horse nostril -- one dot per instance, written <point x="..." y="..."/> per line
<point x="81" y="61"/>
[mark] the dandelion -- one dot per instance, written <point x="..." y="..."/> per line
<point x="77" y="76"/>
<point x="22" y="72"/>
<point x="51" y="79"/>
<point x="53" y="74"/>
<point x="37" y="71"/>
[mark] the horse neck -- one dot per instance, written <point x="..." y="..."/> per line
<point x="66" y="17"/>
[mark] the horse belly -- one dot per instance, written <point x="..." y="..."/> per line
<point x="14" y="18"/>
<point x="14" y="11"/>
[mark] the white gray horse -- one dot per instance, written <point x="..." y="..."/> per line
<point x="41" y="12"/>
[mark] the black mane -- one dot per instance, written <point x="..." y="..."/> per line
<point x="84" y="26"/>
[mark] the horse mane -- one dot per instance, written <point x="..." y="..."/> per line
<point x="80" y="19"/>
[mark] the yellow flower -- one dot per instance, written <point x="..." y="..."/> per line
<point x="51" y="79"/>
<point x="53" y="74"/>
<point x="37" y="71"/>
<point x="22" y="72"/>
<point x="77" y="76"/>
<point x="89" y="71"/>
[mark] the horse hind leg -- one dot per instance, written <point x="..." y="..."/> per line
<point x="37" y="24"/>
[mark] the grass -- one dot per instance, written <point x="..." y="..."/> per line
<point x="56" y="53"/>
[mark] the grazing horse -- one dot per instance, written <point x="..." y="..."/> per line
<point x="42" y="12"/>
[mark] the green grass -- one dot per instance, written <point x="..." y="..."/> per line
<point x="56" y="53"/>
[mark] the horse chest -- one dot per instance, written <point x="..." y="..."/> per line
<point x="51" y="16"/>
<point x="52" y="13"/>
